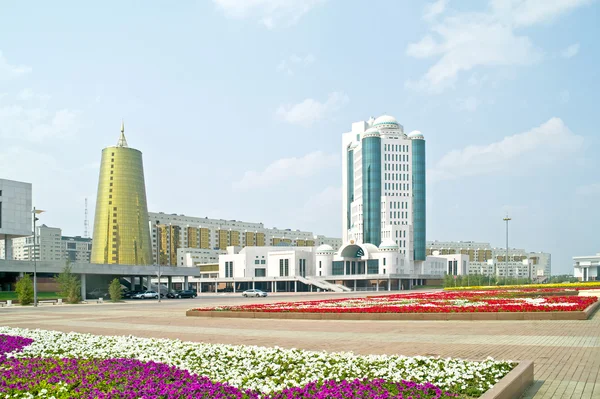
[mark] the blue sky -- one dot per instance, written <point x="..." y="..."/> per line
<point x="239" y="107"/>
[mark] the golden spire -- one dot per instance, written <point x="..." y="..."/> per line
<point x="122" y="141"/>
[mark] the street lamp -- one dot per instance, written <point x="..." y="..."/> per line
<point x="157" y="261"/>
<point x="34" y="213"/>
<point x="506" y="219"/>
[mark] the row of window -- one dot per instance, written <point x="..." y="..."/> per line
<point x="396" y="186"/>
<point x="395" y="147"/>
<point x="396" y="157"/>
<point x="396" y="176"/>
<point x="395" y="166"/>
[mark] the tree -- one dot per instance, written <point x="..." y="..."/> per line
<point x="114" y="289"/>
<point x="69" y="285"/>
<point x="24" y="288"/>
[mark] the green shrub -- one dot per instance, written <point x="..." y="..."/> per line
<point x="24" y="288"/>
<point x="114" y="289"/>
<point x="69" y="285"/>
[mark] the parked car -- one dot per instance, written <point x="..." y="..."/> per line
<point x="172" y="294"/>
<point x="146" y="295"/>
<point x="130" y="294"/>
<point x="186" y="294"/>
<point x="253" y="292"/>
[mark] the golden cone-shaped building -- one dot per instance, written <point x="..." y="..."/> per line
<point x="121" y="230"/>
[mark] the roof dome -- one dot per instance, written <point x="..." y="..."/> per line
<point x="416" y="135"/>
<point x="324" y="248"/>
<point x="370" y="248"/>
<point x="386" y="122"/>
<point x="371" y="132"/>
<point x="388" y="243"/>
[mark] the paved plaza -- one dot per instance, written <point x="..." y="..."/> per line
<point x="566" y="353"/>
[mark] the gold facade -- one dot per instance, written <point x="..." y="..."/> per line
<point x="250" y="239"/>
<point x="174" y="232"/>
<point x="260" y="239"/>
<point x="222" y="239"/>
<point x="234" y="238"/>
<point x="282" y="241"/>
<point x="193" y="237"/>
<point x="121" y="229"/>
<point x="204" y="238"/>
<point x="300" y="243"/>
<point x="310" y="243"/>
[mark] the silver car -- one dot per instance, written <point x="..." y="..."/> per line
<point x="146" y="295"/>
<point x="253" y="292"/>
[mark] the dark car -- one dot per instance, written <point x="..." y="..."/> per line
<point x="130" y="294"/>
<point x="186" y="294"/>
<point x="172" y="294"/>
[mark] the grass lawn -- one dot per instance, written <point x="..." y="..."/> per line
<point x="12" y="295"/>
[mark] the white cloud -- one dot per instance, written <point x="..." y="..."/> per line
<point x="468" y="104"/>
<point x="467" y="40"/>
<point x="287" y="168"/>
<point x="8" y="71"/>
<point x="37" y="124"/>
<point x="530" y="12"/>
<point x="29" y="94"/>
<point x="592" y="189"/>
<point x="432" y="10"/>
<point x="288" y="65"/>
<point x="570" y="51"/>
<point x="548" y="142"/>
<point x="310" y="111"/>
<point x="270" y="13"/>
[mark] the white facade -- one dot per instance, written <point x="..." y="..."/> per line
<point x="15" y="213"/>
<point x="196" y="256"/>
<point x="480" y="253"/>
<point x="267" y="262"/>
<point x="587" y="268"/>
<point x="51" y="246"/>
<point x="396" y="174"/>
<point x="455" y="265"/>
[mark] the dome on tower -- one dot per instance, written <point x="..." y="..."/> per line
<point x="386" y="122"/>
<point x="416" y="135"/>
<point x="371" y="132"/>
<point x="388" y="244"/>
<point x="325" y="248"/>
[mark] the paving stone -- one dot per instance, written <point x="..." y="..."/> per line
<point x="566" y="353"/>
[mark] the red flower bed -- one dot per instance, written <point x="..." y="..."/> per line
<point x="439" y="302"/>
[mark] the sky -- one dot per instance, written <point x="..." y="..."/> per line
<point x="239" y="107"/>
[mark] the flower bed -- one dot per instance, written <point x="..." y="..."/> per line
<point x="439" y="302"/>
<point x="67" y="365"/>
<point x="572" y="286"/>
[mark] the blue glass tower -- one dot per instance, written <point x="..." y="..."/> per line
<point x="418" y="175"/>
<point x="371" y="187"/>
<point x="350" y="193"/>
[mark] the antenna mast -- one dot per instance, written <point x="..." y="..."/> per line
<point x="85" y="221"/>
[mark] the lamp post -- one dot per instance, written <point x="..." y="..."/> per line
<point x="35" y="212"/>
<point x="158" y="261"/>
<point x="506" y="219"/>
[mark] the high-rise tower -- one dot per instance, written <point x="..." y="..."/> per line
<point x="384" y="186"/>
<point x="121" y="230"/>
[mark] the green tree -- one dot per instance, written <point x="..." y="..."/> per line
<point x="69" y="285"/>
<point x="24" y="288"/>
<point x="114" y="289"/>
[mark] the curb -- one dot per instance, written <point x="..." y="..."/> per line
<point x="514" y="384"/>
<point x="475" y="316"/>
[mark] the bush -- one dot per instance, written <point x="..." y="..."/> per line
<point x="69" y="285"/>
<point x="24" y="288"/>
<point x="114" y="289"/>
